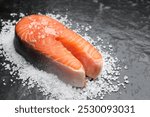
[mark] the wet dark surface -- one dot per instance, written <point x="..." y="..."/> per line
<point x="123" y="23"/>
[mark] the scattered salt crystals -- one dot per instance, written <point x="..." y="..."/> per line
<point x="4" y="83"/>
<point x="44" y="21"/>
<point x="49" y="30"/>
<point x="30" y="33"/>
<point x="3" y="80"/>
<point x="122" y="85"/>
<point x="7" y="67"/>
<point x="86" y="29"/>
<point x="11" y="80"/>
<point x="90" y="27"/>
<point x="89" y="39"/>
<point x="110" y="46"/>
<point x="126" y="79"/>
<point x="126" y="67"/>
<point x="21" y="15"/>
<point x="30" y="26"/>
<point x="33" y="40"/>
<point x="104" y="46"/>
<point x="117" y="74"/>
<point x="13" y="14"/>
<point x="107" y="83"/>
<point x="43" y="36"/>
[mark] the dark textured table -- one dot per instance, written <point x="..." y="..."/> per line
<point x="125" y="24"/>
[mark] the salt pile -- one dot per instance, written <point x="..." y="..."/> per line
<point x="107" y="83"/>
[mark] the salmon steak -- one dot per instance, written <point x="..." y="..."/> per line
<point x="71" y="53"/>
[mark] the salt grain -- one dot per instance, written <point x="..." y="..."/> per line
<point x="42" y="36"/>
<point x="49" y="30"/>
<point x="126" y="81"/>
<point x="11" y="80"/>
<point x="126" y="67"/>
<point x="13" y="14"/>
<point x="125" y="77"/>
<point x="21" y="15"/>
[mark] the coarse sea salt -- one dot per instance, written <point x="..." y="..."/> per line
<point x="107" y="83"/>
